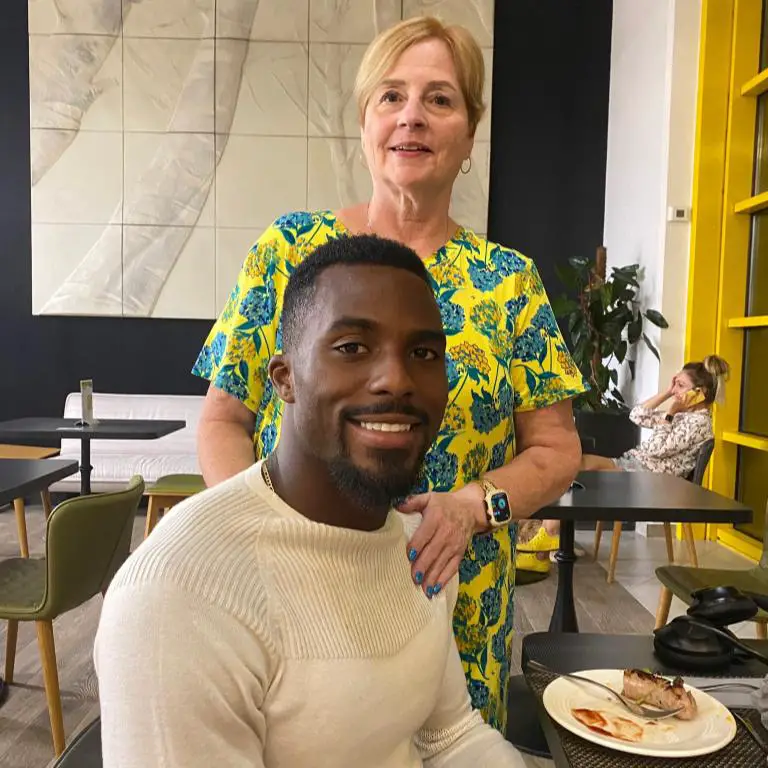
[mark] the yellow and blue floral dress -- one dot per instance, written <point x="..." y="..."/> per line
<point x="505" y="355"/>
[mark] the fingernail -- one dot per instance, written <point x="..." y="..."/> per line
<point x="436" y="588"/>
<point x="418" y="576"/>
<point x="429" y="592"/>
<point x="412" y="554"/>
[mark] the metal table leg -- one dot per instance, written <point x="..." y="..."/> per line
<point x="85" y="466"/>
<point x="564" y="613"/>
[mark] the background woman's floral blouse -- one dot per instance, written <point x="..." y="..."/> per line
<point x="505" y="355"/>
<point x="673" y="446"/>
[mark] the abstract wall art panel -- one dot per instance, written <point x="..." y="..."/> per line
<point x="167" y="134"/>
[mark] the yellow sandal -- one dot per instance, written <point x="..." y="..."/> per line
<point x="534" y="554"/>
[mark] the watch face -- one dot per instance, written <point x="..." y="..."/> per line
<point x="500" y="507"/>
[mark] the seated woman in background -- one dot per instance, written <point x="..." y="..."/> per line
<point x="678" y="433"/>
<point x="671" y="448"/>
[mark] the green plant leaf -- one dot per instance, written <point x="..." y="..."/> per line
<point x="605" y="296"/>
<point x="635" y="330"/>
<point x="568" y="276"/>
<point x="626" y="274"/>
<point x="656" y="318"/>
<point x="563" y="306"/>
<point x="576" y="322"/>
<point x="649" y="344"/>
<point x="631" y="365"/>
<point x="621" y="351"/>
<point x="614" y="374"/>
<point x="579" y="263"/>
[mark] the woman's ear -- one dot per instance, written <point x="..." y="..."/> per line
<point x="281" y="375"/>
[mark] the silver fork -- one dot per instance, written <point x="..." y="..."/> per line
<point x="728" y="686"/>
<point x="649" y="713"/>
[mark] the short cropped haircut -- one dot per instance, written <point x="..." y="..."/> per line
<point x="355" y="250"/>
<point x="388" y="46"/>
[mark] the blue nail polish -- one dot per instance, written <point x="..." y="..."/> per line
<point x="429" y="592"/>
<point x="412" y="554"/>
<point x="418" y="577"/>
<point x="436" y="588"/>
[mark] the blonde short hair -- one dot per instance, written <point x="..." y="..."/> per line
<point x="389" y="45"/>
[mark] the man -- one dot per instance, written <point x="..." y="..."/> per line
<point x="288" y="631"/>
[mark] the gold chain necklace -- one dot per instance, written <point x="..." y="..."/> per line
<point x="267" y="478"/>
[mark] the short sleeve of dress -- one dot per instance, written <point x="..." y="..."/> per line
<point x="543" y="371"/>
<point x="237" y="351"/>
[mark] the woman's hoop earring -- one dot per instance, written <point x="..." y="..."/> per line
<point x="469" y="167"/>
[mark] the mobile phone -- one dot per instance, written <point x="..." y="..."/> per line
<point x="693" y="397"/>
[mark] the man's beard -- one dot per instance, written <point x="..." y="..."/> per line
<point x="375" y="490"/>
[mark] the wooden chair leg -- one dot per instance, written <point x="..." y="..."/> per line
<point x="690" y="543"/>
<point x="51" y="678"/>
<point x="762" y="630"/>
<point x="670" y="545"/>
<point x="598" y="536"/>
<point x="45" y="497"/>
<point x="21" y="526"/>
<point x="665" y="602"/>
<point x="614" y="551"/>
<point x="153" y="513"/>
<point x="10" y="649"/>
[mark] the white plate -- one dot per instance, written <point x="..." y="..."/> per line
<point x="712" y="728"/>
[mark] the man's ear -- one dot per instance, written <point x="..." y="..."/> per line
<point x="281" y="375"/>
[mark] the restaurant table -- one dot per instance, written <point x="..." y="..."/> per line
<point x="532" y="730"/>
<point x="45" y="428"/>
<point x="20" y="477"/>
<point x="630" y="497"/>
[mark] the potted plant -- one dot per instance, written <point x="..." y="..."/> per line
<point x="605" y="323"/>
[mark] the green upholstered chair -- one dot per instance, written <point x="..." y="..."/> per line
<point x="167" y="492"/>
<point x="682" y="581"/>
<point x="87" y="539"/>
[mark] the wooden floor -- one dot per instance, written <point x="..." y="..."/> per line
<point x="25" y="740"/>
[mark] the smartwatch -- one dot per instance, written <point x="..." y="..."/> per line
<point x="497" y="509"/>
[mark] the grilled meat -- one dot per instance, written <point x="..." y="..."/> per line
<point x="656" y="691"/>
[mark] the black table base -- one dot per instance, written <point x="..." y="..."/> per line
<point x="564" y="613"/>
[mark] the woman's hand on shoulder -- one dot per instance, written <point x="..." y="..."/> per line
<point x="448" y="522"/>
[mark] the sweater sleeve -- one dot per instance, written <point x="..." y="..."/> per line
<point x="674" y="438"/>
<point x="644" y="417"/>
<point x="455" y="735"/>
<point x="181" y="682"/>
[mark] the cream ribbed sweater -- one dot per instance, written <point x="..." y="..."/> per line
<point x="242" y="634"/>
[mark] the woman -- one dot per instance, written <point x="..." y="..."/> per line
<point x="508" y="422"/>
<point x="678" y="433"/>
<point x="672" y="447"/>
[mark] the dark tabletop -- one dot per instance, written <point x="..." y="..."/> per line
<point x="42" y="428"/>
<point x="574" y="652"/>
<point x="20" y="477"/>
<point x="642" y="496"/>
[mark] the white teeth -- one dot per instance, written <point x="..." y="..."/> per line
<point x="409" y="148"/>
<point x="381" y="427"/>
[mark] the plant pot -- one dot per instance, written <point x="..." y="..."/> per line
<point x="612" y="432"/>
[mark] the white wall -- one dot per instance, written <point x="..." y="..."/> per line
<point x="651" y="132"/>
